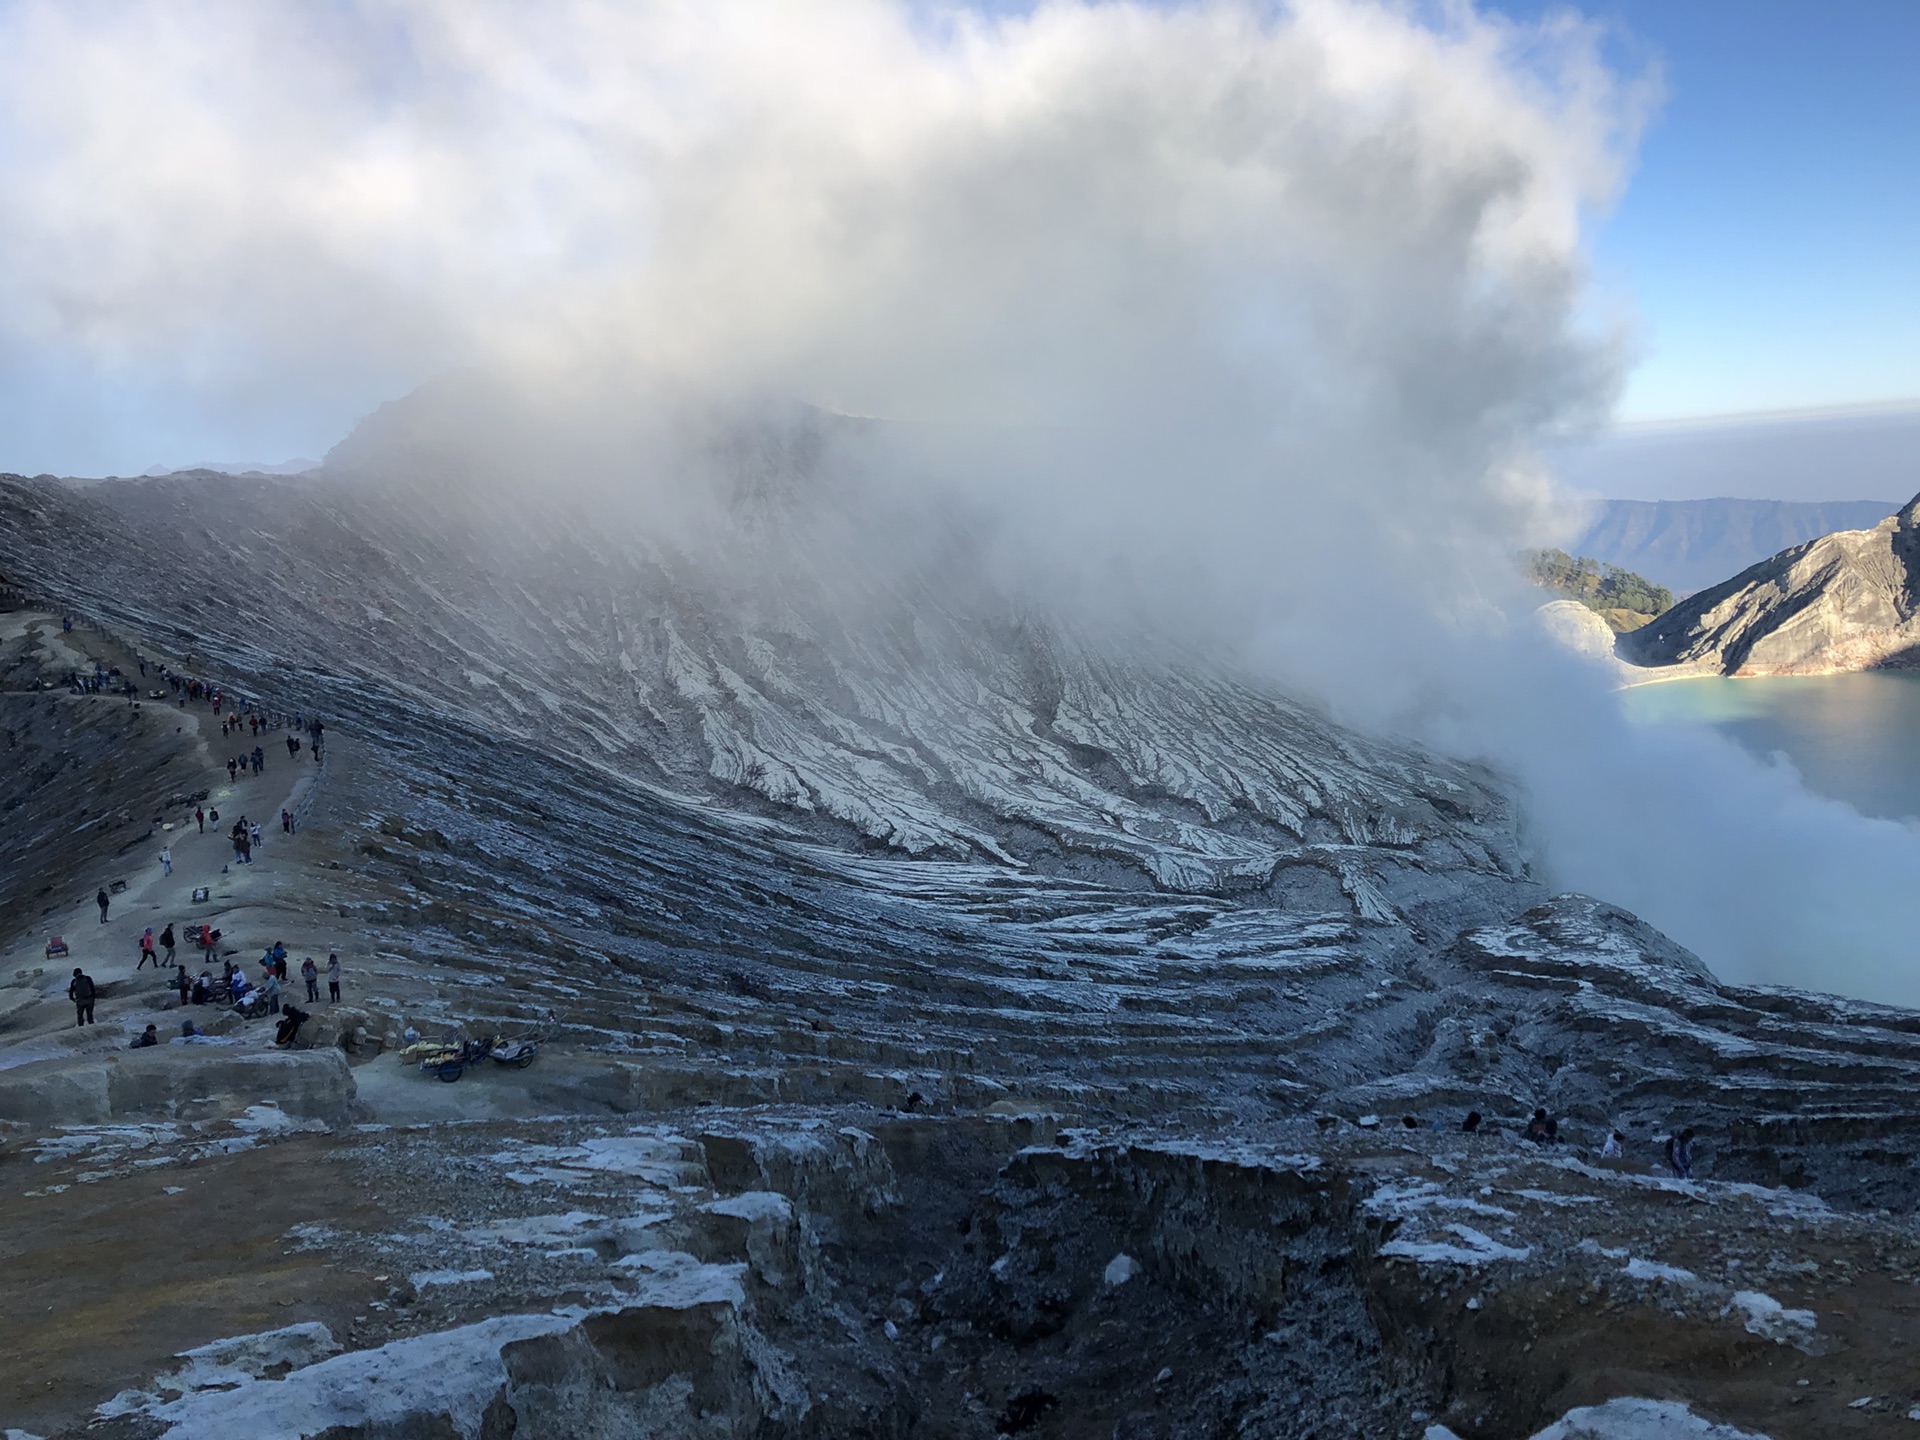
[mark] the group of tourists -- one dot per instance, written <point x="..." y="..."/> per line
<point x="245" y="836"/>
<point x="235" y="987"/>
<point x="239" y="717"/>
<point x="273" y="976"/>
<point x="1544" y="1129"/>
<point x="105" y="680"/>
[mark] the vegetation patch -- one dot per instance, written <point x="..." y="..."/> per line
<point x="1626" y="601"/>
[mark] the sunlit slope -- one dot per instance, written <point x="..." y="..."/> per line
<point x="1847" y="601"/>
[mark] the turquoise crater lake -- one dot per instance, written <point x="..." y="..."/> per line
<point x="1852" y="737"/>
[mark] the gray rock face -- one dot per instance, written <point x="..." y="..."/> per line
<point x="1848" y="601"/>
<point x="875" y="690"/>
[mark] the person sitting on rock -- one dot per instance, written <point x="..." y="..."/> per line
<point x="1471" y="1123"/>
<point x="290" y="1022"/>
<point x="149" y="1036"/>
<point x="1613" y="1149"/>
<point x="1541" y="1128"/>
<point x="203" y="988"/>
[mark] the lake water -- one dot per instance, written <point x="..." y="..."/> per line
<point x="1852" y="737"/>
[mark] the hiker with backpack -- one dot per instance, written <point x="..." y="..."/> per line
<point x="82" y="991"/>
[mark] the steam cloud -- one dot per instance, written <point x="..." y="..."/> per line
<point x="1239" y="318"/>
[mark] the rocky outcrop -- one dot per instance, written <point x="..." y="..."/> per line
<point x="176" y="1082"/>
<point x="1848" y="601"/>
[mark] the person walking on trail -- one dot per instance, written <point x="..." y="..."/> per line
<point x="166" y="942"/>
<point x="233" y="769"/>
<point x="310" y="973"/>
<point x="259" y="759"/>
<point x="81" y="990"/>
<point x="253" y="835"/>
<point x="200" y="818"/>
<point x="333" y="978"/>
<point x="166" y="860"/>
<point x="286" y="822"/>
<point x="1680" y="1154"/>
<point x="103" y="901"/>
<point x="146" y="950"/>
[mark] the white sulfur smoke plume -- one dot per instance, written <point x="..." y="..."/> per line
<point x="1241" y="317"/>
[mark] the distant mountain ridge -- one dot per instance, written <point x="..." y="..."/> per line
<point x="296" y="466"/>
<point x="1847" y="601"/>
<point x="1687" y="545"/>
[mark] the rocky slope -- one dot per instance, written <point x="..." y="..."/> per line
<point x="958" y="1022"/>
<point x="1847" y="601"/>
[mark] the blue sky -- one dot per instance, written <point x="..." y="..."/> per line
<point x="1769" y="239"/>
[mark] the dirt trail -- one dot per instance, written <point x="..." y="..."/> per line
<point x="187" y="754"/>
<point x="109" y="951"/>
